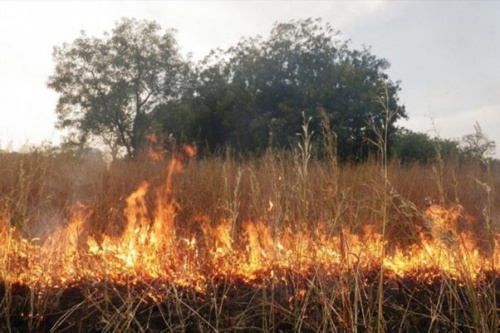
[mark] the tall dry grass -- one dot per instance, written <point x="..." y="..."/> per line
<point x="39" y="189"/>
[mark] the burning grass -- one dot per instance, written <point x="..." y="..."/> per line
<point x="250" y="246"/>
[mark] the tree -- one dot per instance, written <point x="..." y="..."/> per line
<point x="256" y="91"/>
<point x="110" y="87"/>
<point x="412" y="146"/>
<point x="477" y="145"/>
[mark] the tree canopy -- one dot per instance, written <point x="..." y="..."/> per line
<point x="412" y="147"/>
<point x="110" y="87"/>
<point x="477" y="145"/>
<point x="254" y="95"/>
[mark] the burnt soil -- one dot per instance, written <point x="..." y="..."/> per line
<point x="288" y="302"/>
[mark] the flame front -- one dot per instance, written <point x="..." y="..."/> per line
<point x="150" y="248"/>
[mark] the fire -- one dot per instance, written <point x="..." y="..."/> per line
<point x="189" y="150"/>
<point x="150" y="247"/>
<point x="155" y="152"/>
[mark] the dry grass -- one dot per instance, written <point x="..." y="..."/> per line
<point x="39" y="189"/>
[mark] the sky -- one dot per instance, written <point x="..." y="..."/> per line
<point x="445" y="53"/>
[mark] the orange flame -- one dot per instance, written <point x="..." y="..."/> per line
<point x="189" y="150"/>
<point x="155" y="150"/>
<point x="151" y="248"/>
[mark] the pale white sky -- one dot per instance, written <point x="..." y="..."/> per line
<point x="447" y="54"/>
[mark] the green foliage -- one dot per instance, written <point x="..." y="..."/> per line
<point x="109" y="87"/>
<point x="412" y="146"/>
<point x="253" y="95"/>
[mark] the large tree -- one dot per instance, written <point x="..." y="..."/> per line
<point x="255" y="92"/>
<point x="110" y="87"/>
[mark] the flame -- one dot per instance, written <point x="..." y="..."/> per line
<point x="155" y="149"/>
<point x="152" y="138"/>
<point x="189" y="150"/>
<point x="150" y="247"/>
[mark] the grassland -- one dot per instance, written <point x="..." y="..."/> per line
<point x="288" y="193"/>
